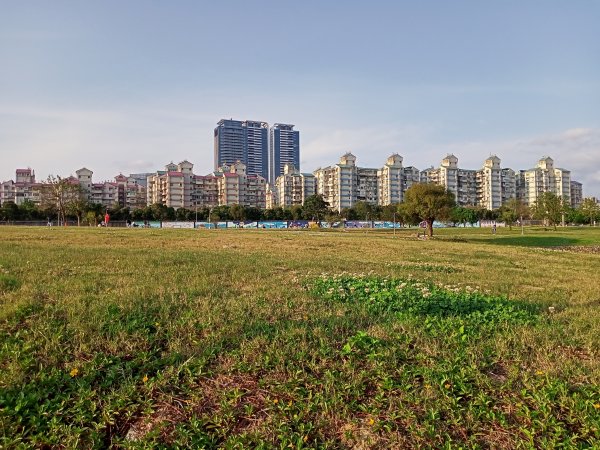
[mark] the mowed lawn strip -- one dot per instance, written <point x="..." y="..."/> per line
<point x="225" y="338"/>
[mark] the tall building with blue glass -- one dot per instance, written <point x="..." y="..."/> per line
<point x="246" y="141"/>
<point x="284" y="149"/>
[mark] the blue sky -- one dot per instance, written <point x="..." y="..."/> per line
<point x="129" y="86"/>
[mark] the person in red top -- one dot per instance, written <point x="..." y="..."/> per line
<point x="106" y="219"/>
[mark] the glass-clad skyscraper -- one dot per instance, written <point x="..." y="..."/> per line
<point x="284" y="149"/>
<point x="245" y="141"/>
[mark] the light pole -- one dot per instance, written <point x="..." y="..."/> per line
<point x="394" y="224"/>
<point x="209" y="224"/>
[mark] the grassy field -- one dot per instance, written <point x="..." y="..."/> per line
<point x="283" y="339"/>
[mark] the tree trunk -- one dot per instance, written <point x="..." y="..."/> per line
<point x="430" y="227"/>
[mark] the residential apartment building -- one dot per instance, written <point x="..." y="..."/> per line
<point x="245" y="141"/>
<point x="171" y="187"/>
<point x="489" y="184"/>
<point x="410" y="176"/>
<point x="237" y="187"/>
<point x="284" y="148"/>
<point x="508" y="181"/>
<point x="338" y="183"/>
<point x="390" y="181"/>
<point x="291" y="188"/>
<point x="543" y="178"/>
<point x="205" y="191"/>
<point x="344" y="184"/>
<point x="460" y="182"/>
<point x="123" y="191"/>
<point x="576" y="194"/>
<point x="22" y="188"/>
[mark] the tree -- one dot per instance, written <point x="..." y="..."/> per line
<point x="513" y="210"/>
<point x="91" y="218"/>
<point x="590" y="209"/>
<point x="462" y="215"/>
<point x="550" y="208"/>
<point x="28" y="210"/>
<point x="59" y="194"/>
<point x="78" y="207"/>
<point x="237" y="212"/>
<point x="296" y="212"/>
<point x="315" y="207"/>
<point x="9" y="211"/>
<point x="427" y="202"/>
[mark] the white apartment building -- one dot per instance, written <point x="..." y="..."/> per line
<point x="461" y="182"/>
<point x="178" y="187"/>
<point x="338" y="183"/>
<point x="344" y="184"/>
<point x="236" y="187"/>
<point x="489" y="184"/>
<point x="543" y="178"/>
<point x="171" y="187"/>
<point x="390" y="181"/>
<point x="291" y="188"/>
<point x="124" y="191"/>
<point x="23" y="188"/>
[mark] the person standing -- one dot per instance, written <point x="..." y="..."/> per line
<point x="106" y="218"/>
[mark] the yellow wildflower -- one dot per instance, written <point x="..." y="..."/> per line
<point x="447" y="385"/>
<point x="371" y="421"/>
<point x="539" y="372"/>
<point x="597" y="406"/>
<point x="275" y="401"/>
<point x="145" y="379"/>
<point x="74" y="371"/>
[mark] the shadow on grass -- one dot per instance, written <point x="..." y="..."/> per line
<point x="531" y="241"/>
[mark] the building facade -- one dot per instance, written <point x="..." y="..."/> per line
<point x="532" y="183"/>
<point x="284" y="148"/>
<point x="292" y="187"/>
<point x="344" y="184"/>
<point x="237" y="187"/>
<point x="390" y="181"/>
<point x="23" y="188"/>
<point x="245" y="141"/>
<point x="576" y="194"/>
<point x="171" y="187"/>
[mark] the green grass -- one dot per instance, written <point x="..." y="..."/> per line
<point x="285" y="339"/>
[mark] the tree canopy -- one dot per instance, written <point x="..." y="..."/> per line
<point x="428" y="202"/>
<point x="61" y="195"/>
<point x="550" y="208"/>
<point x="315" y="207"/>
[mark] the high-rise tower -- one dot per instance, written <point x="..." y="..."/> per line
<point x="244" y="141"/>
<point x="284" y="149"/>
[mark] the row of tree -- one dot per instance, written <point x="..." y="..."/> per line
<point x="62" y="199"/>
